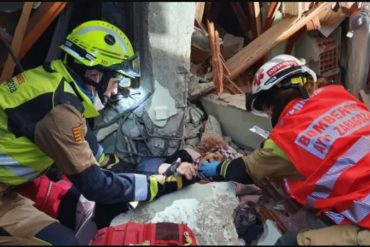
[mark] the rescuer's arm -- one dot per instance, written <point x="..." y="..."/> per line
<point x="266" y="162"/>
<point x="60" y="134"/>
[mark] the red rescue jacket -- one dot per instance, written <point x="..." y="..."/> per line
<point x="327" y="138"/>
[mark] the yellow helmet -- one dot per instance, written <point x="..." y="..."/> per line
<point x="102" y="45"/>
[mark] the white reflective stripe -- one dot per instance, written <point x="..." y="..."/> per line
<point x="69" y="88"/>
<point x="326" y="183"/>
<point x="358" y="211"/>
<point x="337" y="218"/>
<point x="141" y="187"/>
<point x="99" y="152"/>
<point x="25" y="172"/>
<point x="117" y="38"/>
<point x="7" y="160"/>
<point x="75" y="53"/>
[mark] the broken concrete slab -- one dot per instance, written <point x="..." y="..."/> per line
<point x="235" y="121"/>
<point x="162" y="106"/>
<point x="212" y="127"/>
<point x="195" y="114"/>
<point x="206" y="208"/>
<point x="231" y="45"/>
<point x="200" y="49"/>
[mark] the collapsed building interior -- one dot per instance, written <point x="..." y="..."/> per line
<point x="198" y="60"/>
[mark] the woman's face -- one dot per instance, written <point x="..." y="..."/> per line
<point x="214" y="156"/>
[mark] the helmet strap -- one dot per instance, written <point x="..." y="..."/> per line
<point x="302" y="90"/>
<point x="278" y="108"/>
<point x="102" y="86"/>
<point x="280" y="104"/>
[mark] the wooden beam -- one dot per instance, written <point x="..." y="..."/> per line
<point x="242" y="18"/>
<point x="255" y="18"/>
<point x="313" y="24"/>
<point x="278" y="33"/>
<point x="212" y="10"/>
<point x="217" y="70"/>
<point x="294" y="8"/>
<point x="234" y="88"/>
<point x="268" y="23"/>
<point x="199" y="11"/>
<point x="39" y="22"/>
<point x="207" y="11"/>
<point x="271" y="15"/>
<point x="8" y="68"/>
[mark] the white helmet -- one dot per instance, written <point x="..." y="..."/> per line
<point x="284" y="71"/>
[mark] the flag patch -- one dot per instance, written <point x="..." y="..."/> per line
<point x="77" y="134"/>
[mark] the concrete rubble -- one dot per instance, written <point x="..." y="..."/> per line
<point x="176" y="105"/>
<point x="205" y="208"/>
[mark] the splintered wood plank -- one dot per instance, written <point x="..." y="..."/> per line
<point x="268" y="23"/>
<point x="232" y="86"/>
<point x="39" y="22"/>
<point x="241" y="16"/>
<point x="271" y="15"/>
<point x="199" y="11"/>
<point x="8" y="68"/>
<point x="255" y="18"/>
<point x="278" y="33"/>
<point x="295" y="8"/>
<point x="217" y="70"/>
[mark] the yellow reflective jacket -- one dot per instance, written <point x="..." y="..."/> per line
<point x="25" y="100"/>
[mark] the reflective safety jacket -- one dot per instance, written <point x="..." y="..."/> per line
<point x="42" y="88"/>
<point x="327" y="138"/>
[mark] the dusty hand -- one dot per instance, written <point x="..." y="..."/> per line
<point x="188" y="170"/>
<point x="163" y="168"/>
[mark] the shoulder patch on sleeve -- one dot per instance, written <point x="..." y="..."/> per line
<point x="78" y="134"/>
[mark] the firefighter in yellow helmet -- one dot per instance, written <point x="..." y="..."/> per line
<point x="43" y="114"/>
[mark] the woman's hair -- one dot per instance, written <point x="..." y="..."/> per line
<point x="210" y="144"/>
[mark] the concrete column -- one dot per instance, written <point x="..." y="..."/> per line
<point x="163" y="31"/>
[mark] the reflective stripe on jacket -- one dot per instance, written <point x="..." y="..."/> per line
<point x="327" y="138"/>
<point x="25" y="100"/>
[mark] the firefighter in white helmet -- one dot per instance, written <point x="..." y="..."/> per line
<point x="320" y="145"/>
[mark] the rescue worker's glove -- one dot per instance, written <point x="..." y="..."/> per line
<point x="169" y="182"/>
<point x="210" y="169"/>
<point x="229" y="170"/>
<point x="114" y="163"/>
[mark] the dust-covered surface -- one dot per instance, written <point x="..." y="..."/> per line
<point x="206" y="208"/>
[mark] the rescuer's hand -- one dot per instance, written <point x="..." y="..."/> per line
<point x="209" y="169"/>
<point x="188" y="170"/>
